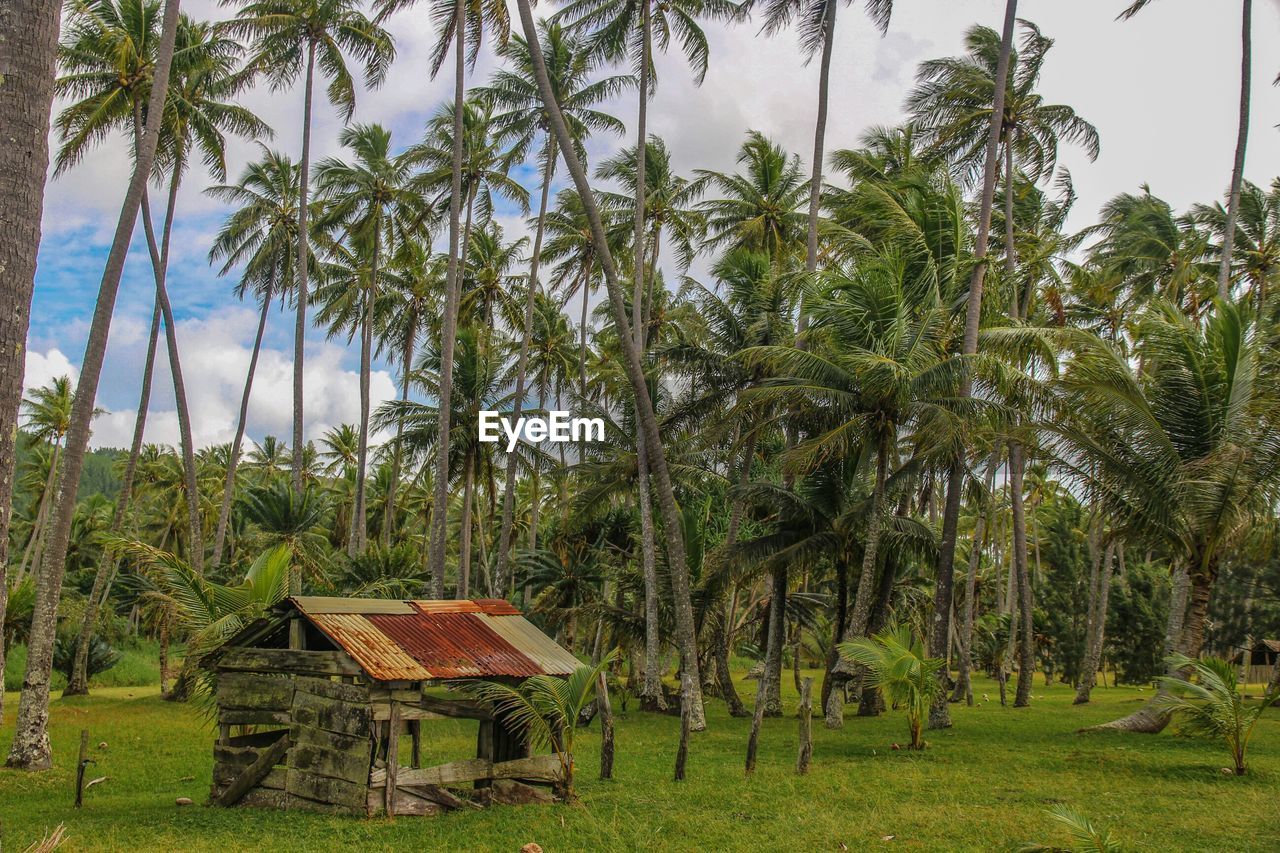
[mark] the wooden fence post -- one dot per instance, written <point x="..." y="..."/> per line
<point x="393" y="757"/>
<point x="606" y="727"/>
<point x="806" y="727"/>
<point x="81" y="763"/>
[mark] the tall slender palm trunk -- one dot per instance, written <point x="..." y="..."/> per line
<point x="944" y="586"/>
<point x="860" y="616"/>
<point x="30" y="749"/>
<point x="366" y="367"/>
<point x="1097" y="626"/>
<point x="233" y="458"/>
<point x="820" y="136"/>
<point x="439" y="505"/>
<point x="31" y="553"/>
<point x="300" y="285"/>
<point x="964" y="686"/>
<point x="686" y="638"/>
<point x="1242" y="144"/>
<point x="397" y="449"/>
<point x="27" y="53"/>
<point x="160" y="265"/>
<point x="109" y="562"/>
<point x="464" y="532"/>
<point x="501" y="579"/>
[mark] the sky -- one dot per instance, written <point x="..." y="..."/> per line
<point x="1162" y="89"/>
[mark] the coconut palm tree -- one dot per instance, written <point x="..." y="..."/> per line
<point x="372" y="204"/>
<point x="463" y="27"/>
<point x="47" y="413"/>
<point x="524" y="119"/>
<point x="816" y="23"/>
<point x="678" y="566"/>
<point x="30" y="749"/>
<point x="26" y="99"/>
<point x="896" y="663"/>
<point x="1242" y="138"/>
<point x="292" y="38"/>
<point x="1256" y="254"/>
<point x="259" y="237"/>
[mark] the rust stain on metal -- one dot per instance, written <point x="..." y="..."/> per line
<point x="377" y="654"/>
<point x="455" y="645"/>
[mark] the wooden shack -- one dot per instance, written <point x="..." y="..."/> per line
<point x="1262" y="655"/>
<point x="312" y="703"/>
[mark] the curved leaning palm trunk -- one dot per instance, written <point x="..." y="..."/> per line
<point x="1242" y="143"/>
<point x="300" y="274"/>
<point x="109" y="564"/>
<point x="686" y="638"/>
<point x="30" y="749"/>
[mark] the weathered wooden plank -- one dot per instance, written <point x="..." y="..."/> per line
<point x="264" y="738"/>
<point x="290" y="661"/>
<point x="542" y="768"/>
<point x="406" y="803"/>
<point x="225" y="774"/>
<point x="254" y="691"/>
<point x="442" y="796"/>
<point x="242" y="717"/>
<point x="407" y="712"/>
<point x="459" y="708"/>
<point x="331" y="715"/>
<point x="324" y="789"/>
<point x="350" y="766"/>
<point x="301" y="734"/>
<point x="254" y="773"/>
<point x="284" y="801"/>
<point x="509" y="792"/>
<point x="355" y="694"/>
<point x="393" y="757"/>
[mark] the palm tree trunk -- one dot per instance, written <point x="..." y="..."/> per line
<point x="859" y="618"/>
<point x="464" y="538"/>
<point x="686" y="638"/>
<point x="964" y="686"/>
<point x="160" y="266"/>
<point x="1097" y="626"/>
<point x="30" y="749"/>
<point x="819" y="137"/>
<point x="233" y="459"/>
<point x="31" y="553"/>
<point x="26" y="98"/>
<point x="304" y="254"/>
<point x="397" y="450"/>
<point x="582" y="349"/>
<point x="109" y="564"/>
<point x="940" y="714"/>
<point x="1242" y="143"/>
<point x="500" y="579"/>
<point x="366" y="367"/>
<point x="439" y="515"/>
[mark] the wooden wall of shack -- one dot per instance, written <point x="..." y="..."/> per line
<point x="324" y="733"/>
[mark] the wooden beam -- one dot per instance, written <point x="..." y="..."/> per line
<point x="393" y="757"/>
<point x="290" y="661"/>
<point x="254" y="773"/>
<point x="542" y="768"/>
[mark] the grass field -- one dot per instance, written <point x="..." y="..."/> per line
<point x="983" y="785"/>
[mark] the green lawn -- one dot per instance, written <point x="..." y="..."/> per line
<point x="983" y="785"/>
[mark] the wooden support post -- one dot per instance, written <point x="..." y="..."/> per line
<point x="254" y="773"/>
<point x="606" y="727"/>
<point x="415" y="730"/>
<point x="393" y="756"/>
<point x="682" y="754"/>
<point x="806" y="727"/>
<point x="83" y="762"/>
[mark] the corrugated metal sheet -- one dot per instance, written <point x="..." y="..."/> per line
<point x="427" y="640"/>
<point x="377" y="654"/>
<point x="537" y="646"/>
<point x="456" y="645"/>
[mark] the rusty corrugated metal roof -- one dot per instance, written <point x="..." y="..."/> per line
<point x="424" y="640"/>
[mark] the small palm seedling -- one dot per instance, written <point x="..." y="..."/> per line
<point x="1085" y="836"/>
<point x="896" y="664"/>
<point x="1208" y="703"/>
<point x="546" y="708"/>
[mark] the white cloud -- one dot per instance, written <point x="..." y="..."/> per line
<point x="215" y="353"/>
<point x="43" y="367"/>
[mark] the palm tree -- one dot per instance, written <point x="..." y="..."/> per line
<point x="547" y="709"/>
<point x="1242" y="138"/>
<point x="1211" y="706"/>
<point x="372" y="204"/>
<point x="685" y="632"/>
<point x="259" y="237"/>
<point x="816" y="22"/>
<point x="290" y="37"/>
<point x="48" y="417"/>
<point x="462" y="29"/>
<point x="897" y="665"/>
<point x="415" y="280"/>
<point x="26" y="98"/>
<point x="30" y="749"/>
<point x="524" y="119"/>
<point x="759" y="210"/>
<point x="1256" y="253"/>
